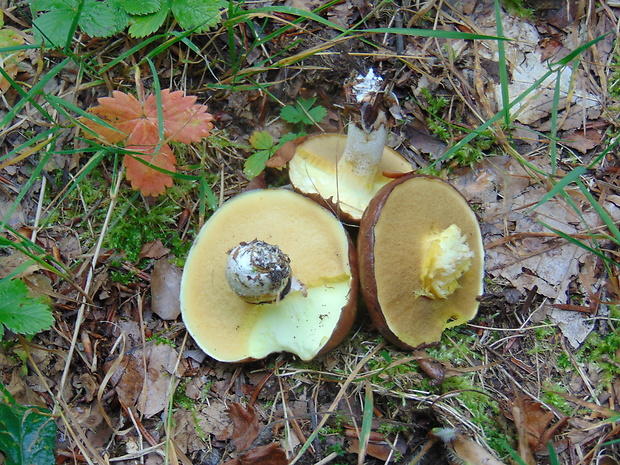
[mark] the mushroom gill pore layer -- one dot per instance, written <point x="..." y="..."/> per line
<point x="321" y="257"/>
<point x="313" y="171"/>
<point x="395" y="237"/>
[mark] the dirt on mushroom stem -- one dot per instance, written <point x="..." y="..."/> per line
<point x="260" y="273"/>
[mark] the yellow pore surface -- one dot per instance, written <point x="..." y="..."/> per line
<point x="414" y="212"/>
<point x="313" y="170"/>
<point x="228" y="328"/>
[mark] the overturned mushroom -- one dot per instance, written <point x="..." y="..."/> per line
<point x="421" y="260"/>
<point x="270" y="271"/>
<point x="347" y="171"/>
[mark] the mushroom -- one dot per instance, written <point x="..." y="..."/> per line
<point x="345" y="172"/>
<point x="270" y="271"/>
<point x="421" y="260"/>
<point x="344" y="180"/>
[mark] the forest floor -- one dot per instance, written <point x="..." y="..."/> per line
<point x="532" y="379"/>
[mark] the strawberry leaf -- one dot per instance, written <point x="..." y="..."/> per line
<point x="27" y="434"/>
<point x="255" y="163"/>
<point x="302" y="112"/>
<point x="199" y="14"/>
<point x="317" y="114"/>
<point x="53" y="27"/>
<point x="143" y="177"/>
<point x="290" y="114"/>
<point x="183" y="120"/>
<point x="144" y="25"/>
<point x="98" y="19"/>
<point x="141" y="7"/>
<point x="122" y="111"/>
<point x="19" y="311"/>
<point x="261" y="140"/>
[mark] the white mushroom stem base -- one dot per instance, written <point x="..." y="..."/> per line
<point x="447" y="258"/>
<point x="260" y="273"/>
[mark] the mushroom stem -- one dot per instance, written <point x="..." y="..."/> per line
<point x="260" y="273"/>
<point x="364" y="150"/>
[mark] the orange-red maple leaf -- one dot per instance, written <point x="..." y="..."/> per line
<point x="137" y="125"/>
<point x="144" y="178"/>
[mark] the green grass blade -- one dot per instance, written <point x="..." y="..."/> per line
<point x="600" y="211"/>
<point x="26" y="187"/>
<point x="158" y="103"/>
<point x="513" y="453"/>
<point x="366" y="421"/>
<point x="29" y="248"/>
<point x="561" y="185"/>
<point x="553" y="136"/>
<point x="553" y="69"/>
<point x="553" y="455"/>
<point x="61" y="104"/>
<point x="268" y="12"/>
<point x="35" y="90"/>
<point x="92" y="163"/>
<point x="35" y="140"/>
<point x="123" y="56"/>
<point x="578" y="51"/>
<point x="578" y="243"/>
<point x="426" y="33"/>
<point x="503" y="65"/>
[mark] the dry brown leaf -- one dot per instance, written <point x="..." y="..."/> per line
<point x="270" y="454"/>
<point x="154" y="249"/>
<point x="284" y="154"/>
<point x="582" y="142"/>
<point x="191" y="427"/>
<point x="464" y="450"/>
<point x="534" y="428"/>
<point x="150" y="396"/>
<point x="165" y="290"/>
<point x="472" y="452"/>
<point x="377" y="447"/>
<point x="245" y="425"/>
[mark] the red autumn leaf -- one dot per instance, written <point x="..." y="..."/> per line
<point x="245" y="425"/>
<point x="183" y="120"/>
<point x="142" y="177"/>
<point x="138" y="126"/>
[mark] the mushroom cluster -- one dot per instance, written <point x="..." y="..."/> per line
<point x="274" y="271"/>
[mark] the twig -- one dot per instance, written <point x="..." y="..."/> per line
<point x="89" y="280"/>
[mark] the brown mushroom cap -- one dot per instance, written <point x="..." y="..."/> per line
<point x="321" y="256"/>
<point x="313" y="172"/>
<point x="391" y="250"/>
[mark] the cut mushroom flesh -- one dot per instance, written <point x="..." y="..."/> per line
<point x="399" y="229"/>
<point x="321" y="256"/>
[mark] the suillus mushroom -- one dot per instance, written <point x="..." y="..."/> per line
<point x="270" y="271"/>
<point x="345" y="172"/>
<point x="344" y="180"/>
<point x="421" y="260"/>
